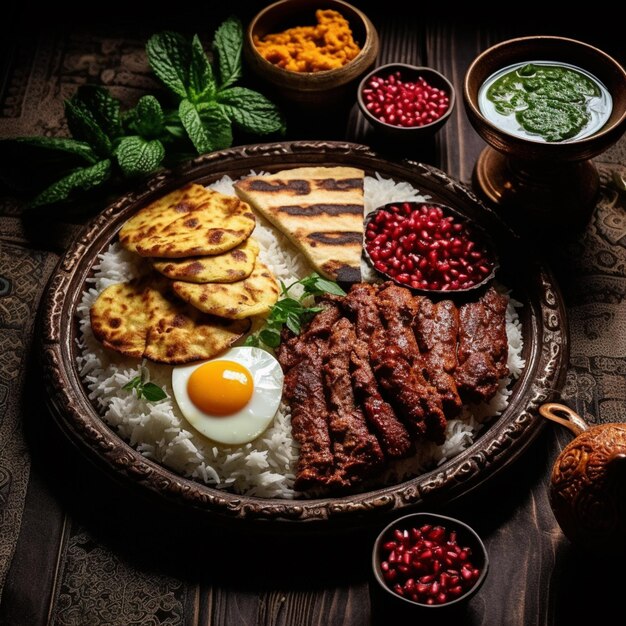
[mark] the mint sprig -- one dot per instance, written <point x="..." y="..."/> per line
<point x="208" y="103"/>
<point x="293" y="312"/>
<point x="108" y="144"/>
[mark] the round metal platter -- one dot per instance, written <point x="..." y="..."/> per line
<point x="544" y="329"/>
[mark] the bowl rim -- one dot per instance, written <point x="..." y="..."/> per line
<point x="583" y="141"/>
<point x="416" y="68"/>
<point x="442" y="519"/>
<point x="483" y="236"/>
<point x="336" y="71"/>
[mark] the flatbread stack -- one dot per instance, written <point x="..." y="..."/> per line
<point x="209" y="280"/>
<point x="142" y="319"/>
<point x="320" y="209"/>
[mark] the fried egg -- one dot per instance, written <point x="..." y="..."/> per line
<point x="231" y="399"/>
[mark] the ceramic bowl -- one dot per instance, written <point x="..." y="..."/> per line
<point x="407" y="73"/>
<point x="325" y="89"/>
<point x="385" y="599"/>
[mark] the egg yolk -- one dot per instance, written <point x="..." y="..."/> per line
<point x="220" y="387"/>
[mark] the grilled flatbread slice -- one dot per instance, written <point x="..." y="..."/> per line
<point x="142" y="319"/>
<point x="319" y="208"/>
<point x="191" y="221"/>
<point x="245" y="298"/>
<point x="229" y="267"/>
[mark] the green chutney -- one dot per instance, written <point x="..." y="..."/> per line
<point x="552" y="101"/>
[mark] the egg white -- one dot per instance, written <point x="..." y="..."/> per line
<point x="250" y="421"/>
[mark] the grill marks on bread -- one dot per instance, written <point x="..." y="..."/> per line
<point x="320" y="209"/>
<point x="388" y="367"/>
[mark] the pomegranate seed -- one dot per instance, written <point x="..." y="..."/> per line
<point x="401" y="97"/>
<point x="428" y="246"/>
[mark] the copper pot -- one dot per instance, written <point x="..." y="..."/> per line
<point x="588" y="482"/>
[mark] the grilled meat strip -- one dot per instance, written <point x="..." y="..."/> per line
<point x="356" y="450"/>
<point x="393" y="436"/>
<point x="301" y="359"/>
<point x="304" y="390"/>
<point x="483" y="347"/>
<point x="399" y="366"/>
<point x="436" y="329"/>
<point x="293" y="347"/>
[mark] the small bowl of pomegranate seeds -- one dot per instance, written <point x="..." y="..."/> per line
<point x="428" y="561"/>
<point x="428" y="247"/>
<point x="406" y="101"/>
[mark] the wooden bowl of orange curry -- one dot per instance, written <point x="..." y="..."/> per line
<point x="312" y="52"/>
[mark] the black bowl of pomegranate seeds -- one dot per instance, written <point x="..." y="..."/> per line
<point x="427" y="561"/>
<point x="405" y="101"/>
<point x="429" y="248"/>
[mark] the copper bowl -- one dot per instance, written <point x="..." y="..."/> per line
<point x="543" y="185"/>
<point x="324" y="89"/>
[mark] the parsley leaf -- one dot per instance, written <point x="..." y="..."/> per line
<point x="292" y="312"/>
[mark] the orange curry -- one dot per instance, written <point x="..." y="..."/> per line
<point x="326" y="46"/>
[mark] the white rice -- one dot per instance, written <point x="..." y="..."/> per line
<point x="266" y="466"/>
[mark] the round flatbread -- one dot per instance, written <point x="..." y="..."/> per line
<point x="191" y="221"/>
<point x="229" y="267"/>
<point x="252" y="296"/>
<point x="143" y="319"/>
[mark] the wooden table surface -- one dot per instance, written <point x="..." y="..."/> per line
<point x="87" y="552"/>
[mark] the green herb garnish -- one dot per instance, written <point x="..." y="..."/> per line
<point x="108" y="143"/>
<point x="143" y="388"/>
<point x="293" y="312"/>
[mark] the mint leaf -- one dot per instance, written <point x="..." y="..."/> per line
<point x="137" y="156"/>
<point x="32" y="163"/>
<point x="84" y="127"/>
<point x="251" y="111"/>
<point x="104" y="108"/>
<point x="51" y="147"/>
<point x="169" y="57"/>
<point x="201" y="81"/>
<point x="206" y="125"/>
<point x="153" y="393"/>
<point x="81" y="179"/>
<point x="228" y="44"/>
<point x="190" y="118"/>
<point x="217" y="124"/>
<point x="148" y="117"/>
